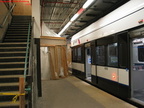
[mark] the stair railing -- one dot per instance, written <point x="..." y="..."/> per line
<point x="6" y="17"/>
<point x="27" y="51"/>
<point x="28" y="70"/>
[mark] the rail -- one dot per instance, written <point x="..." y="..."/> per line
<point x="27" y="51"/>
<point x="28" y="70"/>
<point x="6" y="17"/>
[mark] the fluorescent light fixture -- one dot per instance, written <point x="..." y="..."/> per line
<point x="87" y="3"/>
<point x="74" y="17"/>
<point x="66" y="26"/>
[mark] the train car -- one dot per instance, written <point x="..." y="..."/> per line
<point x="110" y="52"/>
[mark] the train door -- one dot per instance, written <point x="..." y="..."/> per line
<point x="88" y="62"/>
<point x="137" y="67"/>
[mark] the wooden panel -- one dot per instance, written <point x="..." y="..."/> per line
<point x="22" y="8"/>
<point x="53" y="42"/>
<point x="50" y="37"/>
<point x="52" y="63"/>
<point x="22" y="90"/>
<point x="46" y="45"/>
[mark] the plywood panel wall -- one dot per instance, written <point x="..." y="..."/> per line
<point x="22" y="8"/>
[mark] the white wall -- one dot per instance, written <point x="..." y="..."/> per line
<point x="36" y="14"/>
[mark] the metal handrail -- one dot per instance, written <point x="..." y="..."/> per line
<point x="31" y="50"/>
<point x="28" y="73"/>
<point x="29" y="46"/>
<point x="6" y="17"/>
<point x="27" y="51"/>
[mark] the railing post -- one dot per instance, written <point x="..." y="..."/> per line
<point x="21" y="91"/>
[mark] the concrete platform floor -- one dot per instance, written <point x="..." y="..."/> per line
<point x="74" y="93"/>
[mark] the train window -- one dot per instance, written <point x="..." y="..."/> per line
<point x="74" y="54"/>
<point x="123" y="56"/>
<point x="79" y="54"/>
<point x="123" y="50"/>
<point x="112" y="54"/>
<point x="100" y="55"/>
<point x="141" y="53"/>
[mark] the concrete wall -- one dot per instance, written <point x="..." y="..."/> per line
<point x="3" y="13"/>
<point x="36" y="14"/>
<point x="22" y="8"/>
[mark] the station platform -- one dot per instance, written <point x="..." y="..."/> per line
<point x="72" y="92"/>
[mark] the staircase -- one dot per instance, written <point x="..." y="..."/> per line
<point x="12" y="59"/>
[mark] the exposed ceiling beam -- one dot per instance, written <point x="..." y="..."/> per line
<point x="110" y="1"/>
<point x="83" y="21"/>
<point x="60" y="3"/>
<point x="73" y="29"/>
<point x="59" y="7"/>
<point x="53" y="22"/>
<point x="97" y="9"/>
<point x="45" y="20"/>
<point x="77" y="26"/>
<point x="90" y="15"/>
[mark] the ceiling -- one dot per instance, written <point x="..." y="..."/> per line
<point x="57" y="13"/>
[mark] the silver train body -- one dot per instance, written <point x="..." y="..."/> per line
<point x="110" y="52"/>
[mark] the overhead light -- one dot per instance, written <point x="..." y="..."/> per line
<point x="74" y="17"/>
<point x="87" y="3"/>
<point x="66" y="26"/>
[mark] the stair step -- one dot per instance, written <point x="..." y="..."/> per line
<point x="14" y="92"/>
<point x="4" y="65"/>
<point x="10" y="88"/>
<point x="10" y="76"/>
<point x="16" y="32"/>
<point x="14" y="59"/>
<point x="5" y="98"/>
<point x="9" y="84"/>
<point x="9" y="104"/>
<point x="13" y="52"/>
<point x="19" y="25"/>
<point x="17" y="29"/>
<point x="19" y="34"/>
<point x="12" y="69"/>
<point x="27" y="21"/>
<point x="15" y="40"/>
<point x="19" y="57"/>
<point x="12" y="49"/>
<point x="5" y="87"/>
<point x="17" y="37"/>
<point x="15" y="44"/>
